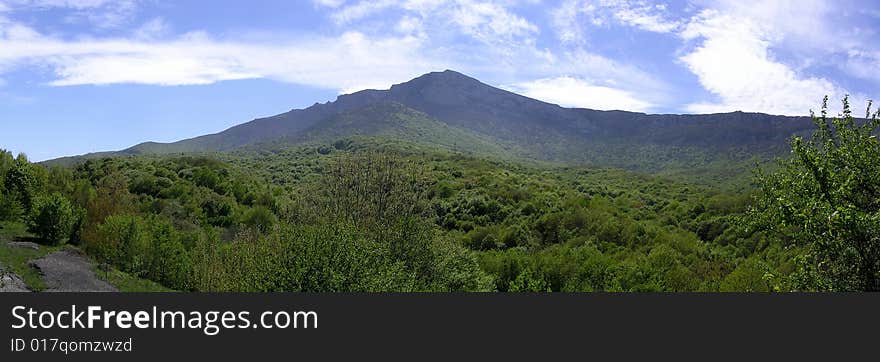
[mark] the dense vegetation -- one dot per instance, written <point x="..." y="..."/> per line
<point x="360" y="218"/>
<point x="826" y="199"/>
<point x="371" y="214"/>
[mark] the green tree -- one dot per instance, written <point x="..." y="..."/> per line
<point x="259" y="218"/>
<point x="52" y="218"/>
<point x="529" y="281"/>
<point x="24" y="180"/>
<point x="373" y="189"/>
<point x="166" y="260"/>
<point x="123" y="241"/>
<point x="10" y="208"/>
<point x="826" y="199"/>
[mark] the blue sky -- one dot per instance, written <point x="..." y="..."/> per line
<point x="80" y="76"/>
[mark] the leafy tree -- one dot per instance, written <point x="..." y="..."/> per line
<point x="826" y="199"/>
<point x="528" y="281"/>
<point x="218" y="209"/>
<point x="52" y="218"/>
<point x="374" y="189"/>
<point x="6" y="162"/>
<point x="167" y="260"/>
<point x="749" y="276"/>
<point x="259" y="218"/>
<point x="10" y="207"/>
<point x="455" y="269"/>
<point x="25" y="181"/>
<point x="122" y="241"/>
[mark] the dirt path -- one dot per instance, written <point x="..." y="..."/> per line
<point x="70" y="271"/>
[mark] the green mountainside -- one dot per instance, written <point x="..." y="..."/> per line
<point x="452" y="111"/>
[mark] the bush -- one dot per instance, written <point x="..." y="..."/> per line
<point x="259" y="218"/>
<point x="749" y="276"/>
<point x="528" y="281"/>
<point x="167" y="260"/>
<point x="218" y="210"/>
<point x="372" y="189"/>
<point x="10" y="207"/>
<point x="121" y="240"/>
<point x="482" y="238"/>
<point x="456" y="270"/>
<point x="52" y="218"/>
<point x="25" y="181"/>
<point x="330" y="257"/>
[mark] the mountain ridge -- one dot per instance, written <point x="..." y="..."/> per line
<point x="528" y="127"/>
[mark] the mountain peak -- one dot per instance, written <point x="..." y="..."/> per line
<point x="446" y="79"/>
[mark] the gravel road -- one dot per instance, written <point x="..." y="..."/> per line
<point x="70" y="271"/>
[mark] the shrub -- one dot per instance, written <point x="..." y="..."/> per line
<point x="529" y="281"/>
<point x="10" y="207"/>
<point x="121" y="240"/>
<point x="749" y="276"/>
<point x="52" y="218"/>
<point x="218" y="210"/>
<point x="259" y="218"/>
<point x="25" y="181"/>
<point x="456" y="270"/>
<point x="167" y="260"/>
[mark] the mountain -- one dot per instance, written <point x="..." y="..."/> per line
<point x="451" y="110"/>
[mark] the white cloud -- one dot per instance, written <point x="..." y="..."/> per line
<point x="862" y="64"/>
<point x="329" y="3"/>
<point x="571" y="92"/>
<point x="349" y="61"/>
<point x="361" y="9"/>
<point x="565" y="21"/>
<point x="734" y="61"/>
<point x="488" y="21"/>
<point x="114" y="15"/>
<point x="503" y="51"/>
<point x="102" y="14"/>
<point x="597" y="71"/>
<point x="410" y="25"/>
<point x="148" y="69"/>
<point x="645" y="17"/>
<point x="74" y="4"/>
<point x="571" y="17"/>
<point x="734" y="47"/>
<point x="155" y="28"/>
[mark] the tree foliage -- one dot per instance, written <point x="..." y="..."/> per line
<point x="826" y="199"/>
<point x="52" y="218"/>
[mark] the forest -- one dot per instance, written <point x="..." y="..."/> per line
<point x="362" y="214"/>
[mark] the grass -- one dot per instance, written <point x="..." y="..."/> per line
<point x="15" y="259"/>
<point x="12" y="230"/>
<point x="128" y="283"/>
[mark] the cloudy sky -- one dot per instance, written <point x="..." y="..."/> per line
<point x="79" y="76"/>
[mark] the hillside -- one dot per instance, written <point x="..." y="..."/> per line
<point x="452" y="111"/>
